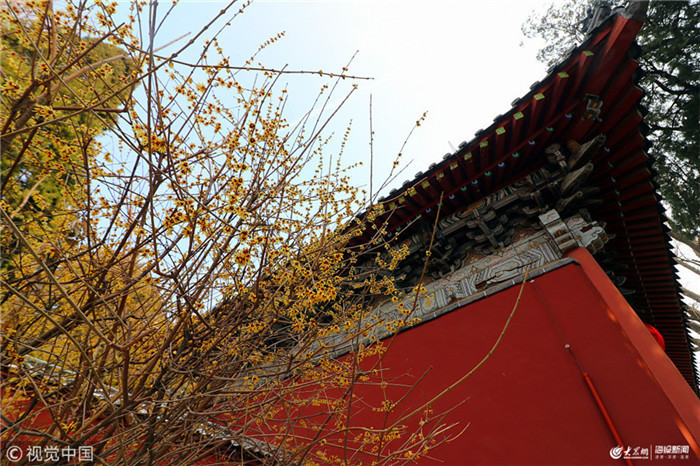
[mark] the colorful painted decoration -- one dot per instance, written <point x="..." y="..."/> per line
<point x="500" y="130"/>
<point x="539" y="96"/>
<point x="518" y="115"/>
<point x="563" y="74"/>
<point x="593" y="106"/>
<point x="483" y="143"/>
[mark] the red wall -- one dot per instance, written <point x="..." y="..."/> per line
<point x="529" y="403"/>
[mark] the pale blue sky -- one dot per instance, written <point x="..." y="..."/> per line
<point x="461" y="61"/>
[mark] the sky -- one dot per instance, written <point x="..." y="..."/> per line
<point x="461" y="61"/>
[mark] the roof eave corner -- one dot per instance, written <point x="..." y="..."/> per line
<point x="636" y="10"/>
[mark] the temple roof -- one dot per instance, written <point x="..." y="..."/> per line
<point x="590" y="96"/>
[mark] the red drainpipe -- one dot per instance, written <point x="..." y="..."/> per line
<point x="604" y="412"/>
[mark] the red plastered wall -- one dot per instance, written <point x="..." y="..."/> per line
<point x="529" y="403"/>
